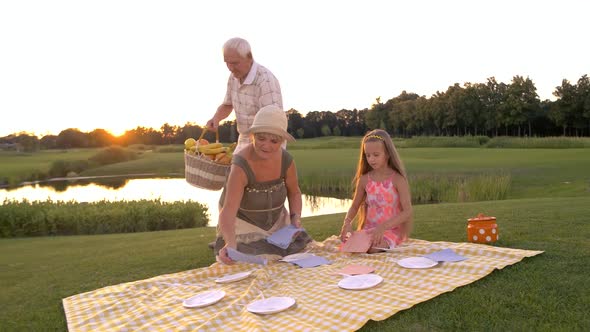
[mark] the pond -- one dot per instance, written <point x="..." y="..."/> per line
<point x="164" y="189"/>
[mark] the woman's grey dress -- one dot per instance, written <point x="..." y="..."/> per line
<point x="262" y="212"/>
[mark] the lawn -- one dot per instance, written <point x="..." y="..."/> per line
<point x="548" y="209"/>
<point x="17" y="165"/>
<point x="546" y="292"/>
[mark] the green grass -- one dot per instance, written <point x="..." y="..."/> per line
<point x="548" y="209"/>
<point x="16" y="167"/>
<point x="548" y="292"/>
<point x="532" y="172"/>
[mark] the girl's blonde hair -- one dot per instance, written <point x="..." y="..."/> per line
<point x="363" y="167"/>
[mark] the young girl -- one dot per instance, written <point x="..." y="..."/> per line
<point x="382" y="194"/>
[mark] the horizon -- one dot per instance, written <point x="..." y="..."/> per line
<point x="230" y="118"/>
<point x="155" y="62"/>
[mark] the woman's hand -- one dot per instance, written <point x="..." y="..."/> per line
<point x="296" y="220"/>
<point x="224" y="257"/>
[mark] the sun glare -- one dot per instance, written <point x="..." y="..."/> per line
<point x="117" y="132"/>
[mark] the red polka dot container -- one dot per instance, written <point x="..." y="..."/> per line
<point x="482" y="229"/>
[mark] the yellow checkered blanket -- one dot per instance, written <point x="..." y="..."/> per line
<point x="155" y="304"/>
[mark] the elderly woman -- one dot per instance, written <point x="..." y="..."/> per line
<point x="261" y="178"/>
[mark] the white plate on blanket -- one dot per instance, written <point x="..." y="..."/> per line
<point x="361" y="281"/>
<point x="233" y="277"/>
<point x="386" y="249"/>
<point x="295" y="257"/>
<point x="416" y="263"/>
<point x="271" y="305"/>
<point x="204" y="299"/>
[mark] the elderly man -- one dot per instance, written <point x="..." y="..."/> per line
<point x="249" y="88"/>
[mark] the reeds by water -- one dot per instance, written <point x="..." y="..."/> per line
<point x="41" y="218"/>
<point x="459" y="188"/>
<point x="425" y="188"/>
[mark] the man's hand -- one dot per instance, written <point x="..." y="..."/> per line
<point x="212" y="125"/>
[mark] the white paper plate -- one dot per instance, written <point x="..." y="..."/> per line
<point x="294" y="257"/>
<point x="204" y="299"/>
<point x="233" y="277"/>
<point x="416" y="263"/>
<point x="271" y="305"/>
<point x="401" y="246"/>
<point x="385" y="249"/>
<point x="361" y="281"/>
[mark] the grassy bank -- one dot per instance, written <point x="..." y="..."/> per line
<point x="328" y="172"/>
<point x="530" y="172"/>
<point x="547" y="292"/>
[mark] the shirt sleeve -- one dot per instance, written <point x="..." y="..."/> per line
<point x="270" y="92"/>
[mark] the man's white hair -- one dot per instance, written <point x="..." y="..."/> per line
<point x="240" y="45"/>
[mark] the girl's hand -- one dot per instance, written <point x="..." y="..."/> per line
<point x="377" y="236"/>
<point x="346" y="229"/>
<point x="224" y="257"/>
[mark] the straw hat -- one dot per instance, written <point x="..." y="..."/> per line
<point x="271" y="120"/>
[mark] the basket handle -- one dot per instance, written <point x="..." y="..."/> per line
<point x="203" y="134"/>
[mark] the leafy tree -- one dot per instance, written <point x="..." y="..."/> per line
<point x="583" y="99"/>
<point x="48" y="142"/>
<point x="336" y="131"/>
<point x="377" y="116"/>
<point x="562" y="110"/>
<point x="346" y="121"/>
<point x="28" y="142"/>
<point x="453" y="110"/>
<point x="473" y="107"/>
<point x="493" y="95"/>
<point x="313" y="122"/>
<point x="300" y="133"/>
<point x="71" y="138"/>
<point x="168" y="133"/>
<point x="523" y="102"/>
<point x="437" y="108"/>
<point x="328" y="119"/>
<point x="100" y="138"/>
<point x="295" y="121"/>
<point x="227" y="132"/>
<point x="153" y="137"/>
<point x="134" y="136"/>
<point x="189" y="130"/>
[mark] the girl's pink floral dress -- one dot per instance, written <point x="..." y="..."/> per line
<point x="382" y="204"/>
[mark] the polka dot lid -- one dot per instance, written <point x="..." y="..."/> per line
<point x="482" y="217"/>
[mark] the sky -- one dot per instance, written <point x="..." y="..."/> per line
<point x="119" y="64"/>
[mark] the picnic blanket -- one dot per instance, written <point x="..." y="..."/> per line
<point x="155" y="304"/>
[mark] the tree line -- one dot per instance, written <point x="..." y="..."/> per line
<point x="489" y="109"/>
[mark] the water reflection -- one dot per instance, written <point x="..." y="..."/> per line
<point x="166" y="190"/>
<point x="60" y="186"/>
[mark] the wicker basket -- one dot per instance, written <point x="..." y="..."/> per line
<point x="204" y="173"/>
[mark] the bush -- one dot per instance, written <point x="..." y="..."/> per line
<point x="539" y="142"/>
<point x="113" y="154"/>
<point x="445" y="142"/>
<point x="61" y="168"/>
<point x="18" y="219"/>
